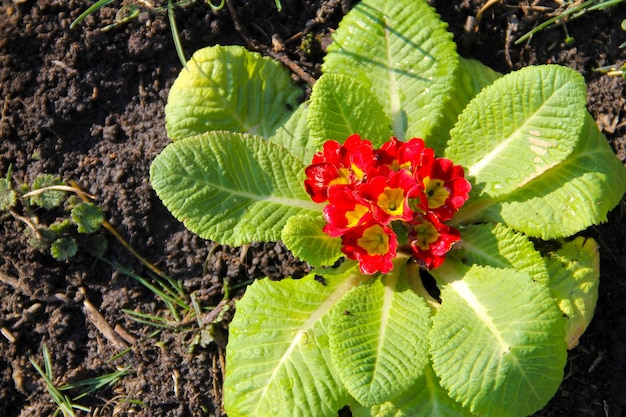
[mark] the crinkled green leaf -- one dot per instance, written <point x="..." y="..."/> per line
<point x="425" y="399"/>
<point x="230" y="88"/>
<point x="230" y="187"/>
<point x="295" y="136"/>
<point x="87" y="217"/>
<point x="378" y="338"/>
<point x="404" y="52"/>
<point x="574" y="279"/>
<point x="341" y="106"/>
<point x="303" y="235"/>
<point x="518" y="128"/>
<point x="475" y="76"/>
<point x="8" y="196"/>
<point x="278" y="360"/>
<point x="500" y="246"/>
<point x="60" y="226"/>
<point x="566" y="199"/>
<point x="42" y="238"/>
<point x="48" y="199"/>
<point x="497" y="341"/>
<point x="63" y="248"/>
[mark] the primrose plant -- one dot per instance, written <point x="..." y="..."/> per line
<point x="434" y="199"/>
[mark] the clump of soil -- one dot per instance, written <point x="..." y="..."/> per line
<point x="87" y="105"/>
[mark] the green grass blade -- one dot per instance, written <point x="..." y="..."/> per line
<point x="93" y="384"/>
<point x="62" y="401"/>
<point x="177" y="44"/>
<point x="574" y="11"/>
<point x="148" y="319"/>
<point x="96" y="6"/>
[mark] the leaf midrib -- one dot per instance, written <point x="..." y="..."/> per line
<point x="270" y="198"/>
<point x="323" y="309"/>
<point x="476" y="168"/>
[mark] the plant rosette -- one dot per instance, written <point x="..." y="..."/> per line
<point x="407" y="162"/>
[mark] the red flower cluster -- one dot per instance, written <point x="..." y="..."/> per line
<point x="367" y="189"/>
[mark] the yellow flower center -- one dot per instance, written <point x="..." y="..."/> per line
<point x="426" y="234"/>
<point x="391" y="201"/>
<point x="374" y="240"/>
<point x="436" y="193"/>
<point x="354" y="216"/>
<point x="358" y="172"/>
<point x="343" y="178"/>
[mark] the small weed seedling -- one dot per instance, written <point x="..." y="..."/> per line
<point x="573" y="11"/>
<point x="185" y="314"/>
<point x="407" y="163"/>
<point x="65" y="404"/>
<point x="127" y="13"/>
<point x="74" y="223"/>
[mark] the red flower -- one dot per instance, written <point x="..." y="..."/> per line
<point x="345" y="210"/>
<point x="367" y="189"/>
<point x="430" y="240"/>
<point x="399" y="155"/>
<point x="372" y="244"/>
<point x="444" y="185"/>
<point x="390" y="196"/>
<point x="338" y="164"/>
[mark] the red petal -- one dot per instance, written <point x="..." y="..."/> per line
<point x="345" y="210"/>
<point x="373" y="245"/>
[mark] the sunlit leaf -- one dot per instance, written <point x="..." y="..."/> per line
<point x="278" y="361"/>
<point x="574" y="279"/>
<point x="341" y="106"/>
<point x="295" y="136"/>
<point x="500" y="246"/>
<point x="230" y="88"/>
<point x="378" y="338"/>
<point x="231" y="188"/>
<point x="304" y="236"/>
<point x="519" y="127"/>
<point x="497" y="341"/>
<point x="404" y="52"/>
<point x="425" y="399"/>
<point x="566" y="199"/>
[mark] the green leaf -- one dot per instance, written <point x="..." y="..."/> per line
<point x="378" y="338"/>
<point x="277" y="360"/>
<point x="8" y="196"/>
<point x="341" y="106"/>
<point x="303" y="235"/>
<point x="295" y="136"/>
<point x="574" y="279"/>
<point x="42" y="238"/>
<point x="519" y="127"/>
<point x="567" y="198"/>
<point x="87" y="217"/>
<point x="48" y="199"/>
<point x="425" y="399"/>
<point x="500" y="246"/>
<point x="497" y="341"/>
<point x="475" y="76"/>
<point x="230" y="88"/>
<point x="404" y="52"/>
<point x="231" y="188"/>
<point x="60" y="226"/>
<point x="63" y="248"/>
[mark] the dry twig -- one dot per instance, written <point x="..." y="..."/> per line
<point x="254" y="45"/>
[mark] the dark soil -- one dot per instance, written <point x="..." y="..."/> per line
<point x="88" y="106"/>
